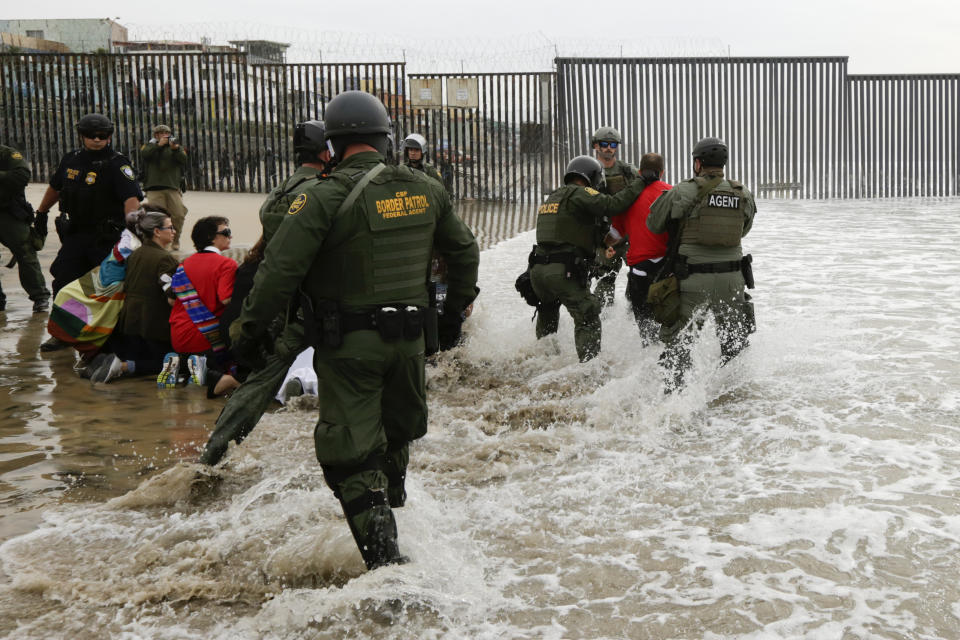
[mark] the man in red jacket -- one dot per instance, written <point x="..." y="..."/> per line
<point x="646" y="248"/>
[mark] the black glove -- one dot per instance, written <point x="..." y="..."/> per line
<point x="449" y="326"/>
<point x="251" y="352"/>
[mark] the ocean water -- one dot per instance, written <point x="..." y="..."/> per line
<point x="808" y="489"/>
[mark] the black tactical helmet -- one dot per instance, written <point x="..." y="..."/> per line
<point x="606" y="134"/>
<point x="94" y="122"/>
<point x="308" y="140"/>
<point x="588" y="168"/>
<point x="712" y="152"/>
<point x="356" y="116"/>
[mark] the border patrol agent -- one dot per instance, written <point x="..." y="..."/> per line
<point x="96" y="187"/>
<point x="617" y="175"/>
<point x="248" y="403"/>
<point x="358" y="246"/>
<point x="16" y="234"/>
<point x="565" y="249"/>
<point x="414" y="149"/>
<point x="711" y="214"/>
<point x="164" y="162"/>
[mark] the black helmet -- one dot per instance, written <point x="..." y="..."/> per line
<point x="308" y="140"/>
<point x="94" y="122"/>
<point x="588" y="168"/>
<point x="712" y="152"/>
<point x="357" y="116"/>
<point x="606" y="134"/>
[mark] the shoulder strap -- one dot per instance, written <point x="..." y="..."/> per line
<point x="355" y="192"/>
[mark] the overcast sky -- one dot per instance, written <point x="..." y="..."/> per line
<point x="920" y="36"/>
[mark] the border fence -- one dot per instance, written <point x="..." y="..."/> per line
<point x="797" y="127"/>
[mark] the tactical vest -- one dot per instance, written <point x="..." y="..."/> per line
<point x="717" y="220"/>
<point x="89" y="197"/>
<point x="388" y="260"/>
<point x="617" y="182"/>
<point x="275" y="209"/>
<point x="557" y="222"/>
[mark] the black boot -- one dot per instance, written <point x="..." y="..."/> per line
<point x="379" y="547"/>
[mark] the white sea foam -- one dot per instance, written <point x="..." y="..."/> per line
<point x="807" y="489"/>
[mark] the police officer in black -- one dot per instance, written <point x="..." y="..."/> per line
<point x="96" y="187"/>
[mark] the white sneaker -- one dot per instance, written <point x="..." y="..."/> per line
<point x="198" y="369"/>
<point x="112" y="367"/>
<point x="167" y="379"/>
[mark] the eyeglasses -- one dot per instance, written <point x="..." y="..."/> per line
<point x="604" y="144"/>
<point x="224" y="232"/>
<point x="99" y="135"/>
<point x="166" y="228"/>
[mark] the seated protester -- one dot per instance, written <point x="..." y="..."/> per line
<point x="242" y="286"/>
<point x="203" y="286"/>
<point x="142" y="335"/>
<point x="86" y="310"/>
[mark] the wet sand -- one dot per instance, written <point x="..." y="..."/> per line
<point x="63" y="440"/>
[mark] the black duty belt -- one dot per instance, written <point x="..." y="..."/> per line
<point x="562" y="257"/>
<point x="714" y="267"/>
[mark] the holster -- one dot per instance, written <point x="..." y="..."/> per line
<point x="746" y="268"/>
<point x="431" y="330"/>
<point x="62" y="224"/>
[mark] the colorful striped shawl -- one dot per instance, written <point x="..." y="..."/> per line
<point x="206" y="322"/>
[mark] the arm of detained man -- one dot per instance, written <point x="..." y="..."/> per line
<point x="455" y="242"/>
<point x="659" y="218"/>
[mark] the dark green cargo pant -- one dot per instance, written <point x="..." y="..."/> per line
<point x="605" y="272"/>
<point x="248" y="403"/>
<point x="721" y="294"/>
<point x="553" y="288"/>
<point x="15" y="236"/>
<point x="372" y="405"/>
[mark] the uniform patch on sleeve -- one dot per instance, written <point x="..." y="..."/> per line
<point x="299" y="202"/>
<point x="16" y="155"/>
<point x="591" y="191"/>
<point x="127" y="170"/>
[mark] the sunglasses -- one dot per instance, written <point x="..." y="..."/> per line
<point x="225" y="233"/>
<point x="166" y="228"/>
<point x="604" y="145"/>
<point x="99" y="135"/>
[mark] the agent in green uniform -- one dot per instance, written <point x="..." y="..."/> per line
<point x="414" y="149"/>
<point x="707" y="215"/>
<point x="16" y="215"/>
<point x="357" y="245"/>
<point x="565" y="250"/>
<point x="617" y="175"/>
<point x="249" y="402"/>
<point x="164" y="162"/>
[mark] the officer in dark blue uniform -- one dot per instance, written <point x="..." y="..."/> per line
<point x="96" y="187"/>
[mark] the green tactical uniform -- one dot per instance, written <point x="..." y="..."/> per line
<point x="353" y="266"/>
<point x="15" y="218"/>
<point x="247" y="404"/>
<point x="428" y="169"/>
<point x="163" y="168"/>
<point x="566" y="246"/>
<point x="606" y="269"/>
<point x="710" y="247"/>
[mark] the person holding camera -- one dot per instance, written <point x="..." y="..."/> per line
<point x="164" y="162"/>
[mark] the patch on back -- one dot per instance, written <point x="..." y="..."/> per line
<point x="298" y="203"/>
<point x="397" y="208"/>
<point x="723" y="201"/>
